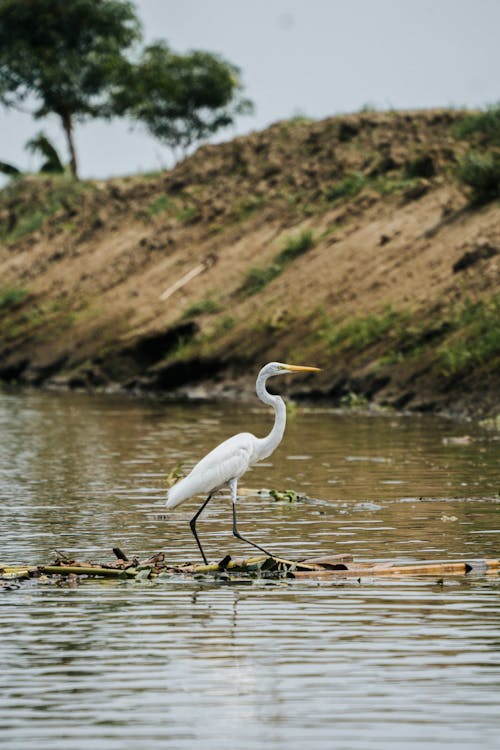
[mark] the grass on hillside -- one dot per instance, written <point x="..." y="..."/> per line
<point x="483" y="126"/>
<point x="32" y="199"/>
<point x="360" y="332"/>
<point x="474" y="338"/>
<point x="466" y="336"/>
<point x="257" y="278"/>
<point x="207" y="306"/>
<point x="11" y="297"/>
<point x="480" y="173"/>
<point x="479" y="169"/>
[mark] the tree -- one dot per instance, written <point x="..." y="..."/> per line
<point x="181" y="99"/>
<point x="42" y="146"/>
<point x="63" y="57"/>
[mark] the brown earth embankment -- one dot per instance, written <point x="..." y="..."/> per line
<point x="346" y="243"/>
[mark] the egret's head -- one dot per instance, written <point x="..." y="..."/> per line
<point x="280" y="368"/>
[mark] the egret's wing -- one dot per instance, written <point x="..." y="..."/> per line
<point x="229" y="460"/>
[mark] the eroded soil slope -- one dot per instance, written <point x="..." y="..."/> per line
<point x="345" y="243"/>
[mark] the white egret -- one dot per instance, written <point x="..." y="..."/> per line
<point x="226" y="463"/>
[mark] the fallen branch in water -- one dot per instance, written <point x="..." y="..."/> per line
<point x="320" y="568"/>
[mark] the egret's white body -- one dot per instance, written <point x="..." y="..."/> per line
<point x="229" y="460"/>
<point x="226" y="463"/>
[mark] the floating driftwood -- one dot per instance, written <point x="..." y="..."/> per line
<point x="320" y="568"/>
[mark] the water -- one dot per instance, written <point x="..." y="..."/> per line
<point x="348" y="664"/>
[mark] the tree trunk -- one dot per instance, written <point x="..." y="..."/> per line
<point x="67" y="124"/>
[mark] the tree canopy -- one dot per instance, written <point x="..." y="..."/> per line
<point x="74" y="60"/>
<point x="181" y="99"/>
<point x="61" y="57"/>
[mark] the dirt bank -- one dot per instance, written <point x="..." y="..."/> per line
<point x="346" y="243"/>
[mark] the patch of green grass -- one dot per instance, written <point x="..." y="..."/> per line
<point x="257" y="278"/>
<point x="205" y="306"/>
<point x="51" y="317"/>
<point x="26" y="225"/>
<point x="465" y="338"/>
<point x="149" y="175"/>
<point x="358" y="333"/>
<point x="475" y="339"/>
<point x="387" y="185"/>
<point x="11" y="297"/>
<point x="348" y="187"/>
<point x="296" y="245"/>
<point x="159" y="205"/>
<point x="354" y="400"/>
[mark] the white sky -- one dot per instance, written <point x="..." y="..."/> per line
<point x="313" y="57"/>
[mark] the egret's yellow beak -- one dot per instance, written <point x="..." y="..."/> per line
<point x="300" y="368"/>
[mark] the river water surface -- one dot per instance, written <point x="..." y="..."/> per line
<point x="180" y="664"/>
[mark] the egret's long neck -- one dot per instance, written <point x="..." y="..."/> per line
<point x="268" y="444"/>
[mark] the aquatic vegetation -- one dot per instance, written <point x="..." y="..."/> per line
<point x="290" y="496"/>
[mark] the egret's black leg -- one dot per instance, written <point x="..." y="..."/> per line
<point x="192" y="524"/>
<point x="238" y="535"/>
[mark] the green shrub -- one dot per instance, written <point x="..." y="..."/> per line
<point x="296" y="245"/>
<point x="484" y="124"/>
<point x="481" y="174"/>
